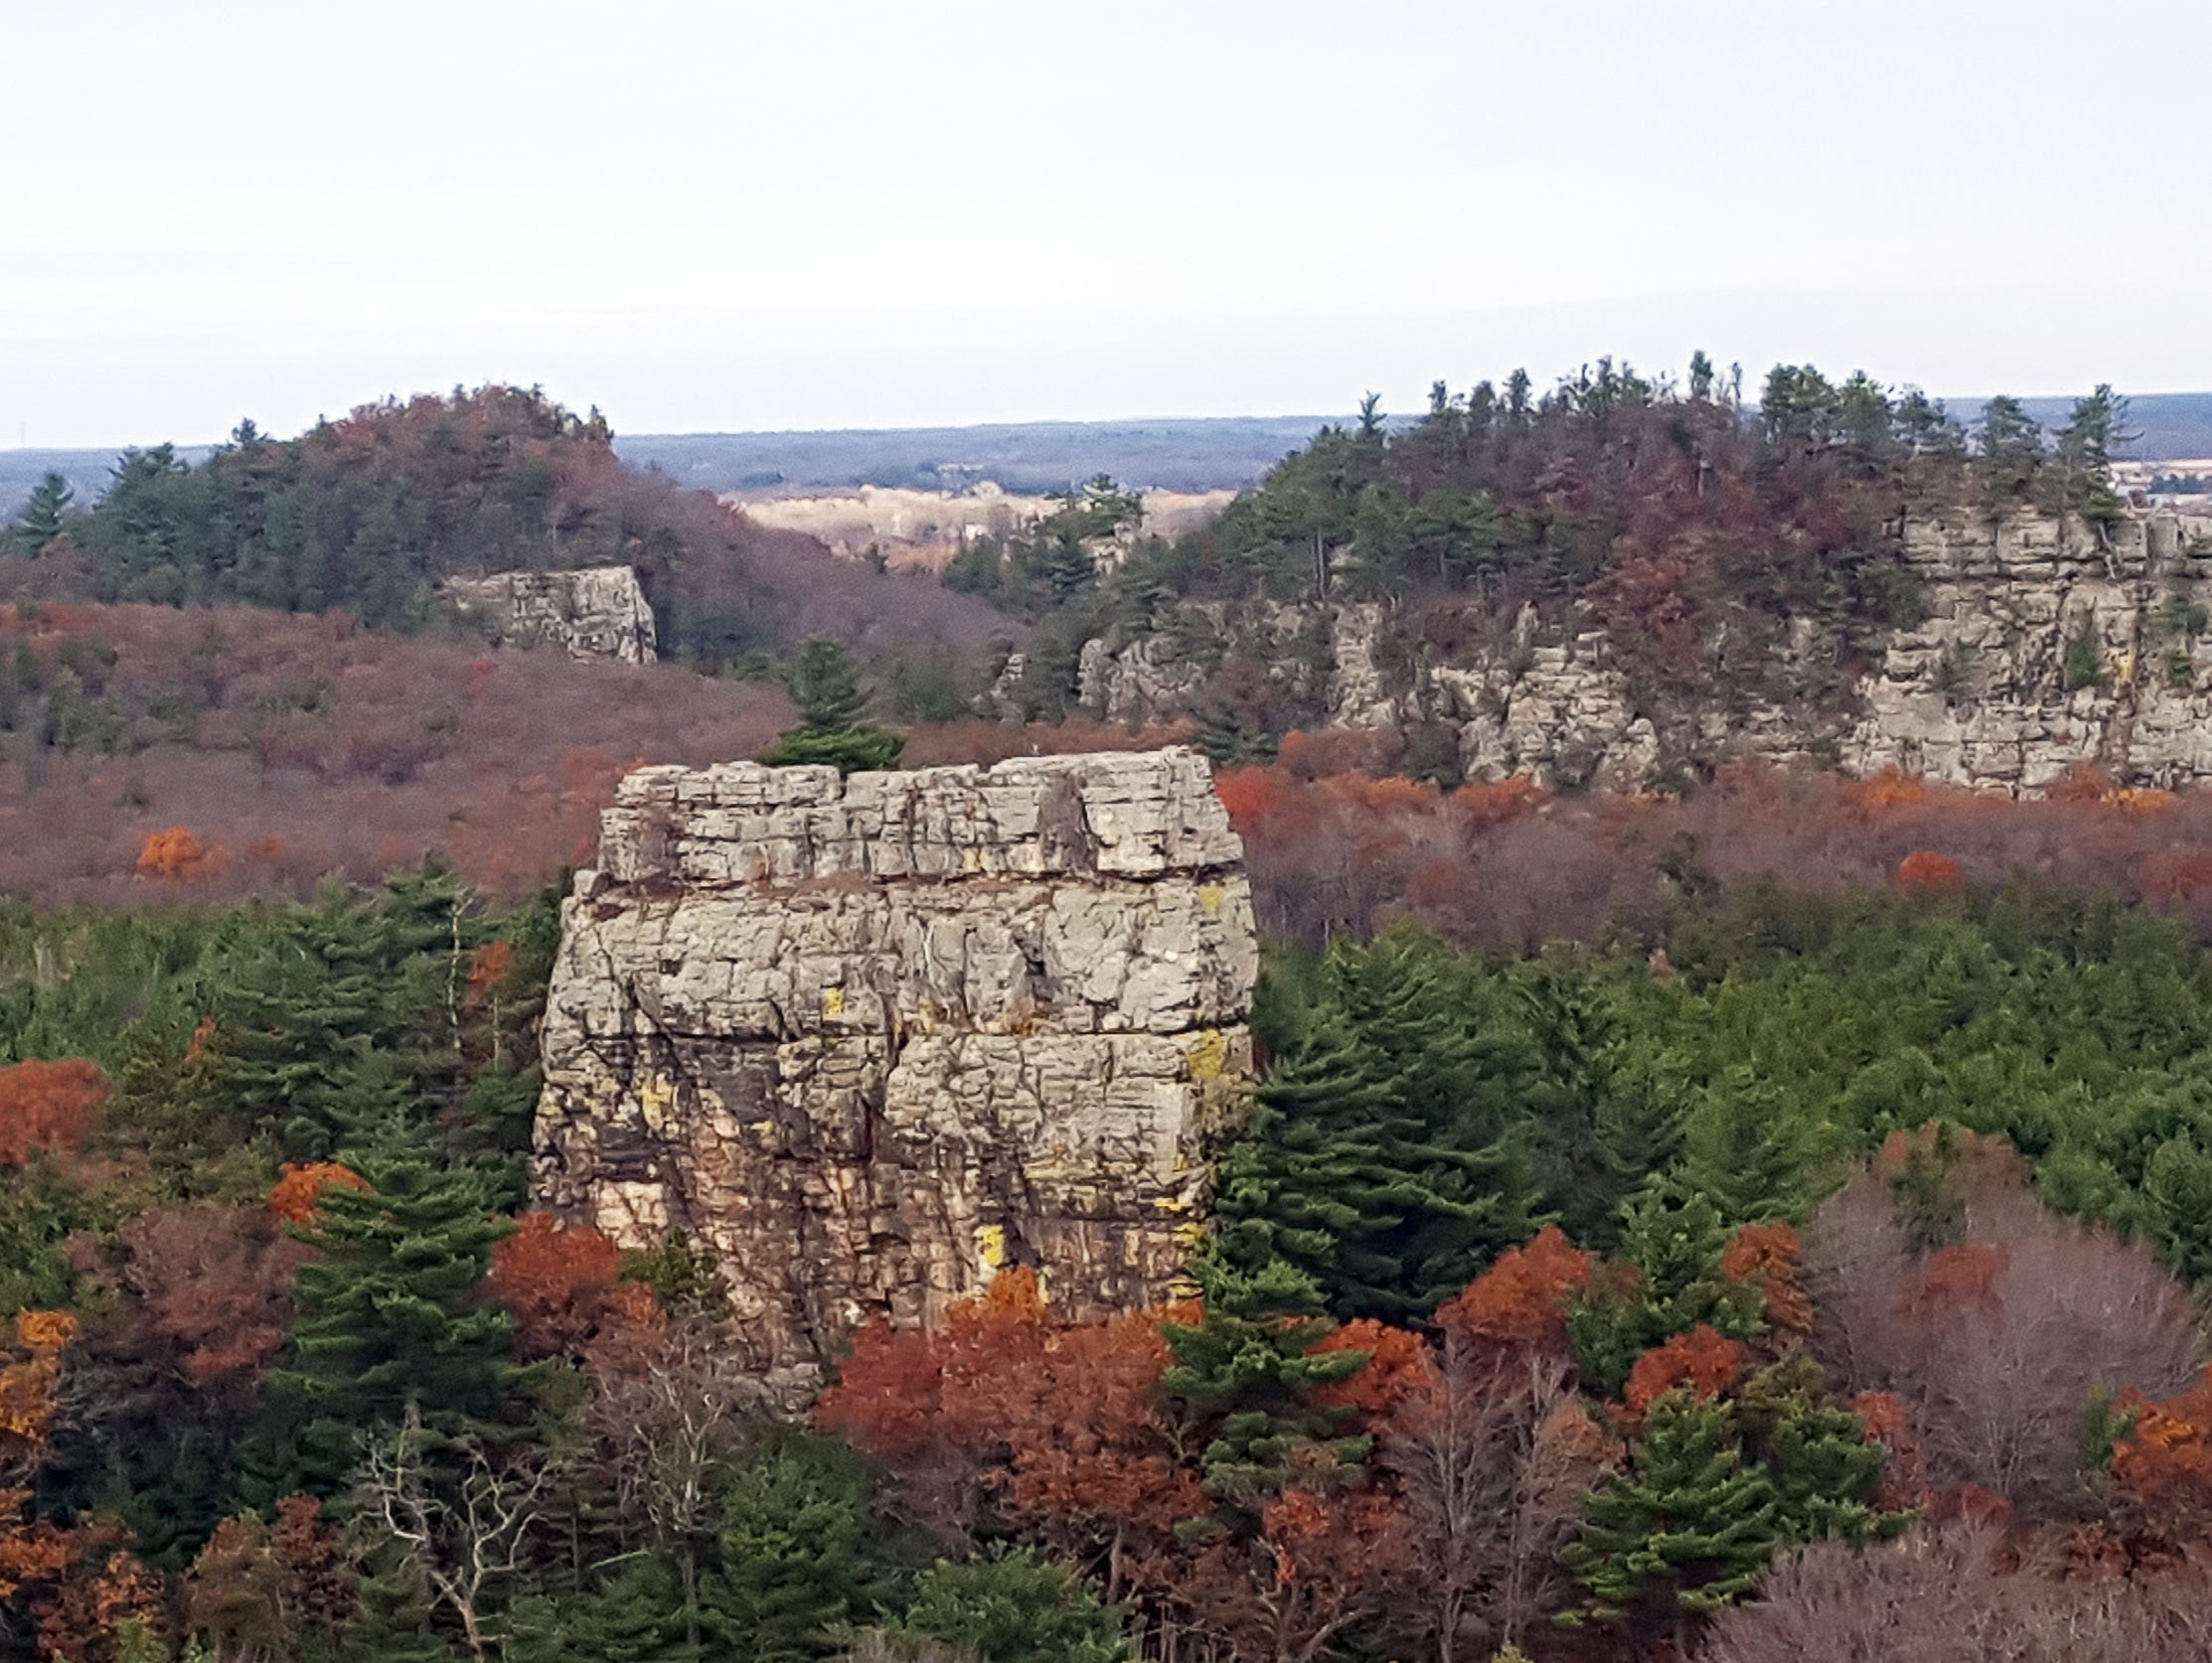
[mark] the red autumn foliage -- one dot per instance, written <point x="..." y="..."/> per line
<point x="207" y="1292"/>
<point x="1400" y="1366"/>
<point x="1993" y="1341"/>
<point x="919" y="1398"/>
<point x="299" y="1191"/>
<point x="553" y="1277"/>
<point x="258" y="1589"/>
<point x="1522" y="1299"/>
<point x="1501" y="864"/>
<point x="1772" y="1255"/>
<point x="49" y="1107"/>
<point x="1925" y="872"/>
<point x="317" y="749"/>
<point x="1889" y="1423"/>
<point x="1706" y="1361"/>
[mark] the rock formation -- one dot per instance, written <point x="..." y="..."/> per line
<point x="868" y="1039"/>
<point x="2042" y="644"/>
<point x="600" y="612"/>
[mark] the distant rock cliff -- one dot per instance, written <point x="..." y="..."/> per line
<point x="868" y="1039"/>
<point x="597" y="613"/>
<point x="2042" y="644"/>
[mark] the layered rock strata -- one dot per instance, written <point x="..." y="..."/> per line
<point x="867" y="1040"/>
<point x="2043" y="643"/>
<point x="596" y="613"/>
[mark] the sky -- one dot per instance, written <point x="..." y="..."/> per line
<point x="725" y="216"/>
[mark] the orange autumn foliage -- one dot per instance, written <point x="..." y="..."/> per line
<point x="1771" y="1255"/>
<point x="1889" y="1423"/>
<point x="178" y="855"/>
<point x="48" y="1108"/>
<point x="299" y="1191"/>
<point x="1703" y="1359"/>
<point x="2165" y="1464"/>
<point x="553" y="1277"/>
<point x="488" y="967"/>
<point x="1925" y="872"/>
<point x="1522" y="1299"/>
<point x="1400" y="1366"/>
<point x="1891" y="788"/>
<point x="1968" y="1271"/>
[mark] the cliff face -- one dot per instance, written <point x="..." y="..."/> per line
<point x="597" y="613"/>
<point x="869" y="1040"/>
<point x="2042" y="644"/>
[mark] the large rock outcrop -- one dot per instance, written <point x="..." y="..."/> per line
<point x="2042" y="644"/>
<point x="600" y="612"/>
<point x="869" y="1040"/>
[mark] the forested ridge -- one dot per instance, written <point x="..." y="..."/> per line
<point x="1701" y="534"/>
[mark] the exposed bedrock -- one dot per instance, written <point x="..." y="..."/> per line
<point x="869" y="1040"/>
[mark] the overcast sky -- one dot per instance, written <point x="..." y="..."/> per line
<point x="831" y="213"/>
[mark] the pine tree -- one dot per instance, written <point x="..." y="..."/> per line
<point x="1749" y="1149"/>
<point x="1687" y="1527"/>
<point x="42" y="517"/>
<point x="1674" y="1245"/>
<point x="833" y="730"/>
<point x="634" y="1615"/>
<point x="1247" y="1370"/>
<point x="1013" y="1607"/>
<point x="334" y="1029"/>
<point x="1390" y="1157"/>
<point x="391" y="1312"/>
<point x="796" y="1567"/>
<point x="391" y="1621"/>
<point x="1826" y="1472"/>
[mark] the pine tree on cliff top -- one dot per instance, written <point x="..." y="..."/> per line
<point x="832" y="728"/>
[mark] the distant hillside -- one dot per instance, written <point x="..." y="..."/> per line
<point x="369" y="513"/>
<point x="1214" y="453"/>
<point x="1198" y="454"/>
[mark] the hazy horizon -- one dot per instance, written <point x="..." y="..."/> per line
<point x="865" y="215"/>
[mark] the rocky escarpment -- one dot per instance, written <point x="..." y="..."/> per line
<point x="2042" y="644"/>
<point x="596" y="613"/>
<point x="869" y="1040"/>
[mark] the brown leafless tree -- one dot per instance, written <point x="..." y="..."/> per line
<point x="1996" y="1340"/>
<point x="462" y="1538"/>
<point x="1951" y="1596"/>
<point x="1491" y="1489"/>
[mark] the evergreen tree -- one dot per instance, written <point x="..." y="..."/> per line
<point x="825" y="683"/>
<point x="1246" y="1372"/>
<point x="334" y="1028"/>
<point x="797" y="1571"/>
<point x="1389" y="1159"/>
<point x="391" y="1621"/>
<point x="2012" y="450"/>
<point x="635" y="1615"/>
<point x="1013" y="1607"/>
<point x="1672" y="1244"/>
<point x="391" y="1312"/>
<point x="1687" y="1527"/>
<point x="1749" y="1149"/>
<point x="1827" y="1474"/>
<point x="40" y="519"/>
